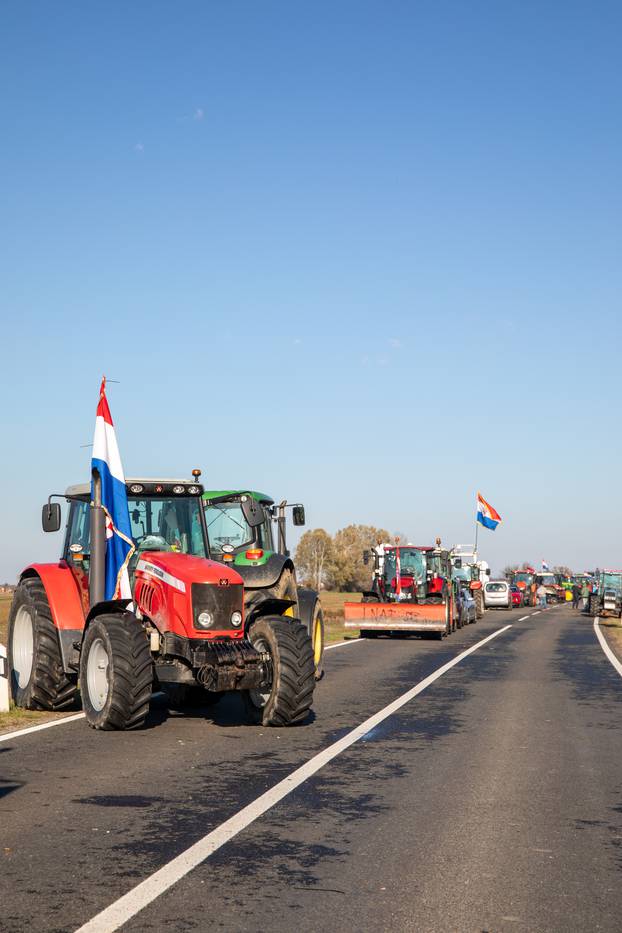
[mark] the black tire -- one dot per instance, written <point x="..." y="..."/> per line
<point x="367" y="633"/>
<point x="285" y="588"/>
<point x="288" y="698"/>
<point x="118" y="699"/>
<point x="36" y="673"/>
<point x="593" y="605"/>
<point x="312" y="617"/>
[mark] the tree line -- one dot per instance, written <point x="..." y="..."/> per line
<point x="335" y="562"/>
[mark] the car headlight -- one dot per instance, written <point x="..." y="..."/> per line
<point x="236" y="618"/>
<point x="205" y="619"/>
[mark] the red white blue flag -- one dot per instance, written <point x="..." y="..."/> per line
<point x="107" y="461"/>
<point x="486" y="515"/>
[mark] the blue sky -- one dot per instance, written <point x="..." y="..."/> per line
<point x="360" y="254"/>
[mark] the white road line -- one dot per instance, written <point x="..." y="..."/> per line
<point x="605" y="647"/>
<point x="536" y="613"/>
<point x="341" y="644"/>
<point x="7" y="736"/>
<point x="523" y="619"/>
<point x="122" y="910"/>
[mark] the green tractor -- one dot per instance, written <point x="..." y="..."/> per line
<point x="247" y="531"/>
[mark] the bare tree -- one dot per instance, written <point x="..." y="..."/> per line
<point x="315" y="556"/>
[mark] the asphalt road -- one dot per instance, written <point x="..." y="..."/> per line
<point x="491" y="801"/>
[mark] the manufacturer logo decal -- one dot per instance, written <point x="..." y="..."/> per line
<point x="223" y="582"/>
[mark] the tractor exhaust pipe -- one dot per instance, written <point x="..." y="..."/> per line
<point x="97" y="570"/>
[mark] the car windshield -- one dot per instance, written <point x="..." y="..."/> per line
<point x="167" y="524"/>
<point x="496" y="587"/>
<point x="412" y="563"/>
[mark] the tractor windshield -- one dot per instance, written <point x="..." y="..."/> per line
<point x="167" y="524"/>
<point x="612" y="581"/>
<point x="227" y="529"/>
<point x="523" y="577"/>
<point x="412" y="564"/>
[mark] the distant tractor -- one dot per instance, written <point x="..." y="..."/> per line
<point x="473" y="572"/>
<point x="412" y="591"/>
<point x="253" y="541"/>
<point x="607" y="596"/>
<point x="187" y="632"/>
<point x="525" y="580"/>
<point x="555" y="592"/>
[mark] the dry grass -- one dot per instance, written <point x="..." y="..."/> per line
<point x="612" y="630"/>
<point x="5" y="607"/>
<point x="332" y="606"/>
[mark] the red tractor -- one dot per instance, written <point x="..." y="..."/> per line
<point x="185" y="632"/>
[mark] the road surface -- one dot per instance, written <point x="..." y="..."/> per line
<point x="489" y="801"/>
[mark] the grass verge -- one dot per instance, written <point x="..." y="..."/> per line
<point x="332" y="607"/>
<point x="612" y="630"/>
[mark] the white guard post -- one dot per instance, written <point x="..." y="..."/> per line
<point x="4" y="681"/>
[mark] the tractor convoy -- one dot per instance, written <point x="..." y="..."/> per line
<point x="205" y="600"/>
<point x="413" y="590"/>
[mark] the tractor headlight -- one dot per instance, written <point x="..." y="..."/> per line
<point x="236" y="618"/>
<point x="205" y="619"/>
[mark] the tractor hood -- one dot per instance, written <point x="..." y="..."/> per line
<point x="180" y="571"/>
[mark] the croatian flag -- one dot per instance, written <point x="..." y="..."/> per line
<point x="545" y="566"/>
<point x="106" y="460"/>
<point x="486" y="515"/>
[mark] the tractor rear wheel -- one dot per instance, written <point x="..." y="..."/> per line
<point x="38" y="680"/>
<point x="116" y="672"/>
<point x="593" y="605"/>
<point x="287" y="697"/>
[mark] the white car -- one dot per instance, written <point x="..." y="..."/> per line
<point x="497" y="595"/>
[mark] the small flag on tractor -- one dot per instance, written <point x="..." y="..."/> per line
<point x="107" y="462"/>
<point x="486" y="515"/>
<point x="545" y="566"/>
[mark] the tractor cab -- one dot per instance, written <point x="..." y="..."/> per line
<point x="165" y="516"/>
<point x="412" y="573"/>
<point x="234" y="535"/>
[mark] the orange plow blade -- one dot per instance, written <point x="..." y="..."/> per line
<point x="393" y="617"/>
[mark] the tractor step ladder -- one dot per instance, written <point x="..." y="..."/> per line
<point x="4" y="681"/>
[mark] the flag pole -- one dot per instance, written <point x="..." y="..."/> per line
<point x="476" y="531"/>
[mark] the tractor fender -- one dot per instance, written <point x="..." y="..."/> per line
<point x="108" y="605"/>
<point x="307" y="599"/>
<point x="264" y="604"/>
<point x="264" y="575"/>
<point x="65" y="607"/>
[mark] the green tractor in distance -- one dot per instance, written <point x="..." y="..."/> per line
<point x="244" y="538"/>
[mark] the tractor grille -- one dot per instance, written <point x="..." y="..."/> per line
<point x="220" y="601"/>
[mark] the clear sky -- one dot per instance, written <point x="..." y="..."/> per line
<point x="365" y="255"/>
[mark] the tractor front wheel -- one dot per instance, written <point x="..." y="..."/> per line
<point x="116" y="672"/>
<point x="287" y="695"/>
<point x="479" y="604"/>
<point x="38" y="680"/>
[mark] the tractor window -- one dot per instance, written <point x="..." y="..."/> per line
<point x="79" y="530"/>
<point x="227" y="526"/>
<point x="168" y="524"/>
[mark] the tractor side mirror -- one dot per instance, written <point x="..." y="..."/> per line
<point x="458" y="563"/>
<point x="50" y="516"/>
<point x="298" y="514"/>
<point x="252" y="511"/>
<point x="365" y="557"/>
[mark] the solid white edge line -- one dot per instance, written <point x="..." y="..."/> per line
<point x="6" y="736"/>
<point x="139" y="897"/>
<point x="603" y="644"/>
<point x="341" y="644"/>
